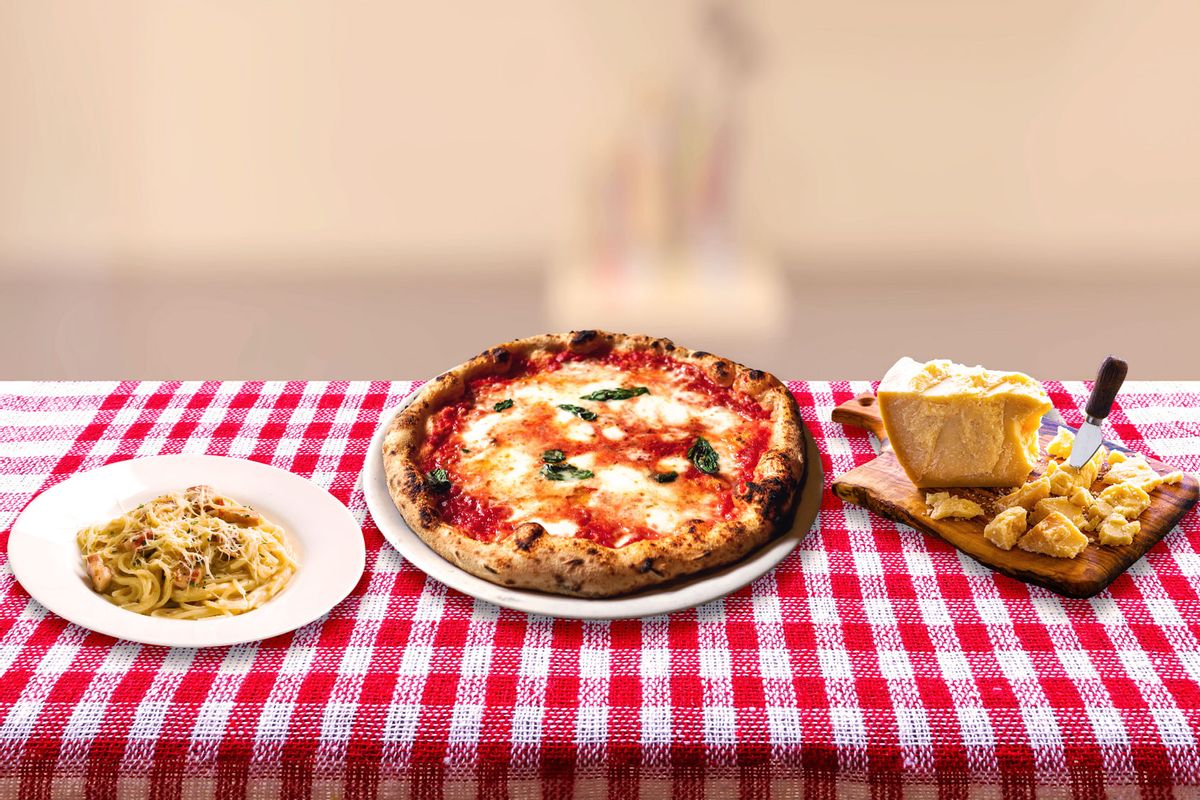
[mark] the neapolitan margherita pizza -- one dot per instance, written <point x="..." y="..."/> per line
<point x="595" y="464"/>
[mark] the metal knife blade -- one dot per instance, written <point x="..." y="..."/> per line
<point x="1089" y="436"/>
<point x="1087" y="441"/>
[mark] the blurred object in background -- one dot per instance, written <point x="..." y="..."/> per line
<point x="293" y="189"/>
<point x="660" y="248"/>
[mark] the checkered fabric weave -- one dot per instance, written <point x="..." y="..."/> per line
<point x="873" y="662"/>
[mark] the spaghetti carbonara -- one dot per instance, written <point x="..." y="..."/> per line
<point x="188" y="555"/>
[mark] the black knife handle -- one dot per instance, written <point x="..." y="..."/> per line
<point x="1108" y="383"/>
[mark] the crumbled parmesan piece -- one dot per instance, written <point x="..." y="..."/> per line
<point x="1082" y="497"/>
<point x="1116" y="457"/>
<point x="1134" y="470"/>
<point x="1027" y="496"/>
<point x="1065" y="479"/>
<point x="1062" y="483"/>
<point x="1060" y="505"/>
<point x="1060" y="445"/>
<point x="1172" y="478"/>
<point x="1116" y="530"/>
<point x="942" y="505"/>
<point x="1055" y="536"/>
<point x="1126" y="499"/>
<point x="1007" y="528"/>
<point x="1096" y="513"/>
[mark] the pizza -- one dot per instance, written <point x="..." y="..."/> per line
<point x="595" y="464"/>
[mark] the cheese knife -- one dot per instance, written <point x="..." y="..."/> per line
<point x="1089" y="436"/>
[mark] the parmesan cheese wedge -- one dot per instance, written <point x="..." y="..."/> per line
<point x="952" y="425"/>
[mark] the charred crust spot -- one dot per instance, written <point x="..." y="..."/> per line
<point x="701" y="354"/>
<point x="723" y="370"/>
<point x="575" y="562"/>
<point x="771" y="493"/>
<point x="706" y="554"/>
<point x="428" y="516"/>
<point x="445" y="376"/>
<point x="489" y="569"/>
<point x="498" y="354"/>
<point x="567" y="583"/>
<point x="756" y="374"/>
<point x="580" y="338"/>
<point x="647" y="566"/>
<point x="526" y="535"/>
<point x="591" y="551"/>
<point x="412" y="482"/>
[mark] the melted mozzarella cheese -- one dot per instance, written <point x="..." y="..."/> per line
<point x="478" y="433"/>
<point x="583" y="460"/>
<point x="660" y="410"/>
<point x="560" y="527"/>
<point x="666" y="518"/>
<point x="579" y="431"/>
<point x="621" y="480"/>
<point x="613" y="432"/>
<point x="719" y="419"/>
<point x="677" y="464"/>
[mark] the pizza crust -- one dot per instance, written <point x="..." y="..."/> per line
<point x="533" y="559"/>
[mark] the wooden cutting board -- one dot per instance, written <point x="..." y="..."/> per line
<point x="881" y="486"/>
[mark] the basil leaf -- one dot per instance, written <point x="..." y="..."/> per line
<point x="703" y="456"/>
<point x="553" y="456"/>
<point x="438" y="480"/>
<point x="616" y="394"/>
<point x="502" y="405"/>
<point x="562" y="472"/>
<point x="666" y="477"/>
<point x="579" y="411"/>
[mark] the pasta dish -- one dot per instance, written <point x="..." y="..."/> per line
<point x="188" y="555"/>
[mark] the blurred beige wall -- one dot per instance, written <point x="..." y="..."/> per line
<point x="1052" y="133"/>
<point x="172" y="134"/>
<point x="312" y="180"/>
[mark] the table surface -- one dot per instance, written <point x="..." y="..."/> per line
<point x="872" y="657"/>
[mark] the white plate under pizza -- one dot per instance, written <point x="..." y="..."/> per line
<point x="595" y="475"/>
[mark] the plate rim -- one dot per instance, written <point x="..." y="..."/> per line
<point x="672" y="598"/>
<point x="221" y="631"/>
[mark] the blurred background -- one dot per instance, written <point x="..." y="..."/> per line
<point x="313" y="189"/>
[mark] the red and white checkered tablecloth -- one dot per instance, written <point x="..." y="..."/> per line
<point x="873" y="661"/>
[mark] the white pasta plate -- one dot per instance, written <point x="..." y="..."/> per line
<point x="676" y="596"/>
<point x="327" y="541"/>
